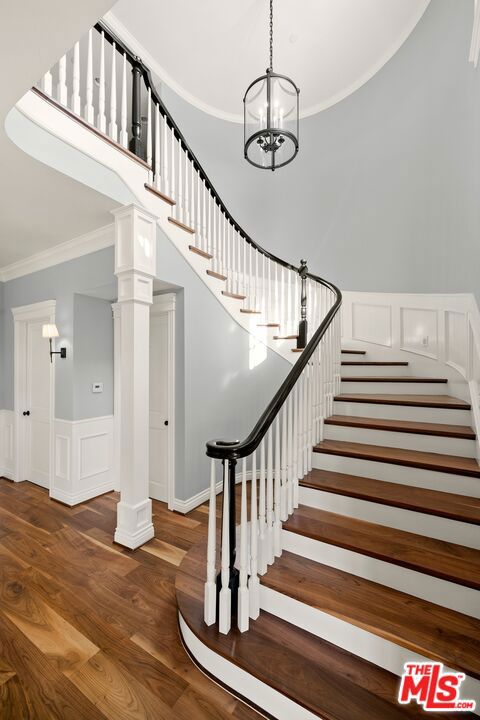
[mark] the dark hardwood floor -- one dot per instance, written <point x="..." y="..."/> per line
<point x="88" y="630"/>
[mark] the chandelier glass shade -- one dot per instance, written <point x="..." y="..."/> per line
<point x="271" y="117"/>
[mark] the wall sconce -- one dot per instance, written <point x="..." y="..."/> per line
<point x="49" y="330"/>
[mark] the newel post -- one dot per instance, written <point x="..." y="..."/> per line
<point x="135" y="268"/>
<point x="303" y="326"/>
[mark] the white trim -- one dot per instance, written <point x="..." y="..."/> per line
<point x="475" y="42"/>
<point x="240" y="681"/>
<point x="7" y="444"/>
<point x="186" y="506"/>
<point x="77" y="247"/>
<point x="22" y="315"/>
<point x="118" y="28"/>
<point x="166" y="304"/>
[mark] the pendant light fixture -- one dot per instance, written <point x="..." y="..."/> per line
<point x="270" y="111"/>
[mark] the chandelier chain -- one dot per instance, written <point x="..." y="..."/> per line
<point x="271" y="34"/>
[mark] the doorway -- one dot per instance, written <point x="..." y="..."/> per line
<point x="34" y="394"/>
<point x="162" y="398"/>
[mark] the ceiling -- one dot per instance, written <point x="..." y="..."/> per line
<point x="208" y="51"/>
<point x="40" y="207"/>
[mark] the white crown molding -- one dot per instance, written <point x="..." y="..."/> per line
<point x="119" y="29"/>
<point x="83" y="245"/>
<point x="475" y="44"/>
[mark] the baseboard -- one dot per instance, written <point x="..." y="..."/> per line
<point x="80" y="497"/>
<point x="186" y="506"/>
<point x="6" y="473"/>
<point x="7" y="444"/>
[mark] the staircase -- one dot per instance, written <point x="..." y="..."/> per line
<point x="357" y="525"/>
<point x="380" y="564"/>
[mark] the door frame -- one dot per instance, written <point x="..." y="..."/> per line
<point x="41" y="311"/>
<point x="161" y="304"/>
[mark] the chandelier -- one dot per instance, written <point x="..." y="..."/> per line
<point x="270" y="113"/>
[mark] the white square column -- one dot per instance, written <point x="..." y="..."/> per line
<point x="135" y="268"/>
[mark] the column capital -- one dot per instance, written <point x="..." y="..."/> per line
<point x="135" y="241"/>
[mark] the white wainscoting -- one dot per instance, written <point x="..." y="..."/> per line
<point x="83" y="459"/>
<point x="6" y="444"/>
<point x="439" y="334"/>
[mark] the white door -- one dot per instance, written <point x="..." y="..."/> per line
<point x="36" y="414"/>
<point x="159" y="420"/>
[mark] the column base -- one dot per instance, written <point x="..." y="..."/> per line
<point x="135" y="525"/>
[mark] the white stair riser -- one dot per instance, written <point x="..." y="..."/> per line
<point x="409" y="441"/>
<point x="367" y="645"/>
<point x="397" y="388"/>
<point x="374" y="370"/>
<point x="412" y="521"/>
<point x="403" y="412"/>
<point x="448" y="594"/>
<point x="431" y="479"/>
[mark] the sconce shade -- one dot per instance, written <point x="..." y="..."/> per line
<point x="49" y="330"/>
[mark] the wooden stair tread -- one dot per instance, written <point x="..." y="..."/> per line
<point x="319" y="676"/>
<point x="431" y="401"/>
<point x="298" y="350"/>
<point x="432" y="502"/>
<point x="235" y="296"/>
<point x="216" y="275"/>
<point x="375" y="363"/>
<point x="249" y="311"/>
<point x="158" y="193"/>
<point x="201" y="252"/>
<point x="285" y="337"/>
<point x="436" y="632"/>
<point x="181" y="225"/>
<point x="345" y="351"/>
<point x="401" y="456"/>
<point x="455" y="563"/>
<point x="393" y="379"/>
<point x="405" y="426"/>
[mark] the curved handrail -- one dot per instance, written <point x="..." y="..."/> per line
<point x="228" y="450"/>
<point x="223" y="449"/>
<point x="134" y="60"/>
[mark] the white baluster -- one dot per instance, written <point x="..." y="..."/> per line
<point x="210" y="609"/>
<point x="290" y="327"/>
<point x="305" y="421"/>
<point x="149" y="134"/>
<point x="76" y="105"/>
<point x="156" y="165"/>
<point x="173" y="144"/>
<point x="254" y="582"/>
<point x="243" y="601"/>
<point x="283" y="321"/>
<point x="300" y="469"/>
<point x="62" y="94"/>
<point x="186" y="202"/>
<point x="102" y="119"/>
<point x="193" y="199"/>
<point x="277" y="533"/>
<point x="180" y="196"/>
<point x="112" y="127"/>
<point x="290" y="476"/>
<point x="262" y="526"/>
<point x="123" y="106"/>
<point x="204" y="217"/>
<point x="165" y="174"/>
<point x="310" y="417"/>
<point x="283" y="497"/>
<point x="225" y="598"/>
<point x="89" y="112"/>
<point x="47" y="83"/>
<point x="295" y="475"/>
<point x="270" y="545"/>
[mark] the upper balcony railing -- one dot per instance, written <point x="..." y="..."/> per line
<point x="102" y="83"/>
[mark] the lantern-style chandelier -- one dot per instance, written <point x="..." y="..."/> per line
<point x="270" y="109"/>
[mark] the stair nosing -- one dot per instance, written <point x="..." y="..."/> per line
<point x="377" y="554"/>
<point x="387" y="399"/>
<point x="389" y="502"/>
<point x="376" y="424"/>
<point x="414" y="380"/>
<point x="403" y="461"/>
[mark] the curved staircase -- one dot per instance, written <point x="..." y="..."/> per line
<point x="359" y="503"/>
<point x="380" y="563"/>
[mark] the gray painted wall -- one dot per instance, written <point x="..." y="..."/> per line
<point x="93" y="356"/>
<point x="217" y="394"/>
<point x="383" y="195"/>
<point x="2" y="346"/>
<point x="60" y="283"/>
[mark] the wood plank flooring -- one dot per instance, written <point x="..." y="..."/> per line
<point x="88" y="630"/>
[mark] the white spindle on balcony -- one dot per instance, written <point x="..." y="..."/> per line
<point x="254" y="583"/>
<point x="225" y="599"/>
<point x="123" y="106"/>
<point x="148" y="130"/>
<point x="186" y="200"/>
<point x="262" y="524"/>
<point x="277" y="533"/>
<point x="62" y="92"/>
<point x="102" y="119"/>
<point x="165" y="156"/>
<point x="76" y="104"/>
<point x="269" y="535"/>
<point x="89" y="112"/>
<point x="156" y="159"/>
